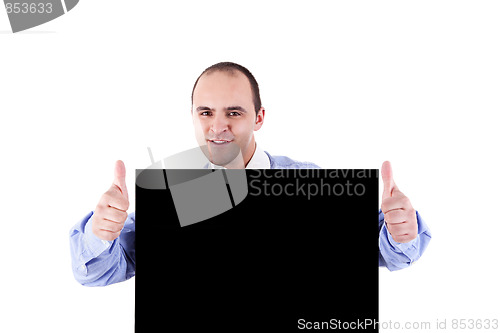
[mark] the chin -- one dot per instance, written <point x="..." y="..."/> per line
<point x="230" y="154"/>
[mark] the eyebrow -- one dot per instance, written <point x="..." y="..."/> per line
<point x="236" y="108"/>
<point x="229" y="108"/>
<point x="203" y="108"/>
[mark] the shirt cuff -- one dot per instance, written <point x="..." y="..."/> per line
<point x="94" y="244"/>
<point x="408" y="249"/>
<point x="411" y="251"/>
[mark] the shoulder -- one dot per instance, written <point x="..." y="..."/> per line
<point x="284" y="162"/>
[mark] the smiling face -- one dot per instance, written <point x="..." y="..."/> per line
<point x="224" y="118"/>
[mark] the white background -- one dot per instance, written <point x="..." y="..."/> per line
<point x="346" y="84"/>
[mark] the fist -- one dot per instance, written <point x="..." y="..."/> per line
<point x="399" y="215"/>
<point x="111" y="211"/>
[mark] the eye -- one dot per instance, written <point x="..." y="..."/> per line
<point x="205" y="113"/>
<point x="234" y="114"/>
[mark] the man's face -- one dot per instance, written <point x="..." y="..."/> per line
<point x="224" y="118"/>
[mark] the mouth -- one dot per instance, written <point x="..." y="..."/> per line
<point x="220" y="142"/>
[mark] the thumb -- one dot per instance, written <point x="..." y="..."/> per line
<point x="119" y="180"/>
<point x="389" y="184"/>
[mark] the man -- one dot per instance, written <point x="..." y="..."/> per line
<point x="226" y="110"/>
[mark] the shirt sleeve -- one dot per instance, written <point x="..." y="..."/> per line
<point x="394" y="255"/>
<point x="96" y="262"/>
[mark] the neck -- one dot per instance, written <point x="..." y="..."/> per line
<point x="243" y="158"/>
<point x="251" y="152"/>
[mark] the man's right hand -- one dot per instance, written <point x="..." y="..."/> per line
<point x="111" y="211"/>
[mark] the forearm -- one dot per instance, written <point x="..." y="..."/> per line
<point x="96" y="262"/>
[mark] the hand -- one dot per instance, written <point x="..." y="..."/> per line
<point x="111" y="211"/>
<point x="400" y="216"/>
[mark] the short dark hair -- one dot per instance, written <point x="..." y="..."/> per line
<point x="231" y="67"/>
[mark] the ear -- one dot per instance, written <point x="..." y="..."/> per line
<point x="259" y="119"/>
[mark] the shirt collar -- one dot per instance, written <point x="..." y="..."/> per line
<point x="259" y="160"/>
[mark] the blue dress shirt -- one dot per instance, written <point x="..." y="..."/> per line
<point x="97" y="262"/>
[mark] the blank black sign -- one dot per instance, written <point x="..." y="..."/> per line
<point x="300" y="252"/>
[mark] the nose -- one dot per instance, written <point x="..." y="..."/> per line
<point x="220" y="124"/>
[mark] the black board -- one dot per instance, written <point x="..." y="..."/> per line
<point x="300" y="250"/>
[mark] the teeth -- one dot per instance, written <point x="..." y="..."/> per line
<point x="219" y="141"/>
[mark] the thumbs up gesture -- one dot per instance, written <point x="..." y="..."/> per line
<point x="111" y="211"/>
<point x="399" y="215"/>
